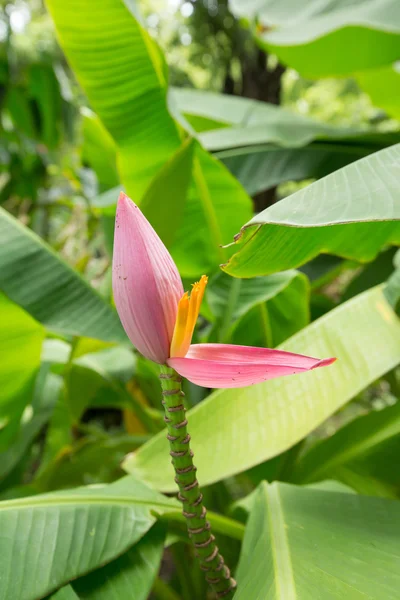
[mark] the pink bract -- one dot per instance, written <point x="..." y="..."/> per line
<point x="147" y="289"/>
<point x="146" y="283"/>
<point x="228" y="366"/>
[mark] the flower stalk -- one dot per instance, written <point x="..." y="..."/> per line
<point x="159" y="319"/>
<point x="211" y="561"/>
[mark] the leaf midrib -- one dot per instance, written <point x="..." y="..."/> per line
<point x="84" y="500"/>
<point x="208" y="207"/>
<point x="284" y="577"/>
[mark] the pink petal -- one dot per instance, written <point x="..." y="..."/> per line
<point x="228" y="366"/>
<point x="146" y="283"/>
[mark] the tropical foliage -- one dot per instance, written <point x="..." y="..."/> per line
<point x="294" y="217"/>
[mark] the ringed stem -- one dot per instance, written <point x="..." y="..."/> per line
<point x="211" y="561"/>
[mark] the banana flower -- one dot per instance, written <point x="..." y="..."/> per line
<point x="159" y="317"/>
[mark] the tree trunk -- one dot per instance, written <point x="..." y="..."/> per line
<point x="260" y="83"/>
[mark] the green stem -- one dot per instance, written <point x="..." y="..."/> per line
<point x="224" y="525"/>
<point x="194" y="511"/>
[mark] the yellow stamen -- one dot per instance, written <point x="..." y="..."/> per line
<point x="188" y="311"/>
<point x="180" y="324"/>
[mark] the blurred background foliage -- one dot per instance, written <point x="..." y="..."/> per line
<point x="75" y="399"/>
<point x="49" y="171"/>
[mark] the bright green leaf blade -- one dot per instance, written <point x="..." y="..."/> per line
<point x="65" y="593"/>
<point x="48" y="390"/>
<point x="57" y="444"/>
<point x="99" y="150"/>
<point x="392" y="289"/>
<point x="357" y="439"/>
<point x="263" y="145"/>
<point x="99" y="374"/>
<point x="260" y="311"/>
<point x="350" y="213"/>
<point x="374" y="273"/>
<point x="304" y="543"/>
<point x="51" y="539"/>
<point x="242" y="295"/>
<point x="34" y="276"/>
<point x="214" y="194"/>
<point x="261" y="167"/>
<point x="187" y="203"/>
<point x="268" y="124"/>
<point x="325" y="38"/>
<point x="121" y="70"/>
<point x="247" y="122"/>
<point x="383" y="86"/>
<point x="171" y="182"/>
<point x="279" y="318"/>
<point x="45" y="89"/>
<point x="375" y="473"/>
<point x="252" y="121"/>
<point x="364" y="335"/>
<point x="21" y="343"/>
<point x="107" y="201"/>
<point x="21" y="112"/>
<point x="112" y="364"/>
<point x="21" y="339"/>
<point x="331" y="486"/>
<point x="129" y="576"/>
<point x="245" y="505"/>
<point x="97" y="461"/>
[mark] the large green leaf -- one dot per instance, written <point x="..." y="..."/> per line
<point x="65" y="593"/>
<point x="91" y="460"/>
<point x="306" y="543"/>
<point x="21" y="341"/>
<point x="129" y="576"/>
<point x="268" y="124"/>
<point x="98" y="378"/>
<point x="264" y="145"/>
<point x="354" y="441"/>
<point x="192" y="219"/>
<point x="324" y="38"/>
<point x="376" y="272"/>
<point x="375" y="473"/>
<point x="49" y="540"/>
<point x="34" y="276"/>
<point x="252" y="122"/>
<point x="17" y="103"/>
<point x="245" y="427"/>
<point x="261" y="167"/>
<point x="260" y="311"/>
<point x="166" y="217"/>
<point x="47" y="391"/>
<point x="392" y="289"/>
<point x="351" y="213"/>
<point x="123" y="74"/>
<point x="174" y="179"/>
<point x="279" y="318"/>
<point x="383" y="86"/>
<point x="44" y="88"/>
<point x="99" y="151"/>
<point x="214" y="203"/>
